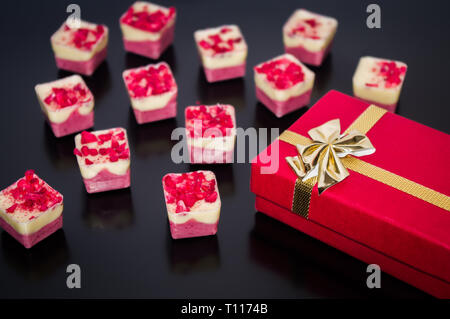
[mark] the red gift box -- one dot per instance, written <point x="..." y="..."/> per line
<point x="396" y="216"/>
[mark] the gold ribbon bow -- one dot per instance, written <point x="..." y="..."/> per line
<point x="321" y="158"/>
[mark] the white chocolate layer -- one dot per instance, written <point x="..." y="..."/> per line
<point x="380" y="94"/>
<point x="208" y="214"/>
<point x="152" y="102"/>
<point x="133" y="34"/>
<point x="63" y="50"/>
<point x="24" y="226"/>
<point x="202" y="211"/>
<point x="62" y="114"/>
<point x="218" y="143"/>
<point x="90" y="171"/>
<point x="284" y="95"/>
<point x="222" y="60"/>
<point x="326" y="31"/>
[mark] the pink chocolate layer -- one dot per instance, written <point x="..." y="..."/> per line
<point x="106" y="181"/>
<point x="75" y="122"/>
<point x="221" y="74"/>
<point x="388" y="107"/>
<point x="199" y="155"/>
<point x="192" y="228"/>
<point x="30" y="240"/>
<point x="308" y="57"/>
<point x="84" y="67"/>
<point x="281" y="108"/>
<point x="168" y="111"/>
<point x="151" y="49"/>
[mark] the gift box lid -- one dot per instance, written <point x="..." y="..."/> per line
<point x="365" y="208"/>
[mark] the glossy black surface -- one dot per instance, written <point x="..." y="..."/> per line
<point x="121" y="239"/>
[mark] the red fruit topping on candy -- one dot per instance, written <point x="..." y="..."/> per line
<point x="113" y="157"/>
<point x="114" y="143"/>
<point x="391" y="73"/>
<point x="187" y="189"/>
<point x="283" y="73"/>
<point x="85" y="150"/>
<point x="211" y="198"/>
<point x="205" y="118"/>
<point x="181" y="207"/>
<point x="117" y="149"/>
<point x="306" y="28"/>
<point x="30" y="194"/>
<point x="105" y="137"/>
<point x="87" y="137"/>
<point x="29" y="174"/>
<point x="11" y="209"/>
<point x="125" y="154"/>
<point x="217" y="44"/>
<point x="69" y="96"/>
<point x="148" y="21"/>
<point x="121" y="136"/>
<point x="190" y="199"/>
<point x="150" y="80"/>
<point x="77" y="152"/>
<point x="85" y="38"/>
<point x="312" y="22"/>
<point x="374" y="85"/>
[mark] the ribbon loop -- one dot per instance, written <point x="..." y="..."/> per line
<point x="321" y="158"/>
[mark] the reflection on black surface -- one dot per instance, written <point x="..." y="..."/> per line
<point x="99" y="82"/>
<point x="109" y="210"/>
<point x="224" y="175"/>
<point x="315" y="266"/>
<point x="264" y="118"/>
<point x="398" y="109"/>
<point x="133" y="60"/>
<point x="226" y="92"/>
<point x="59" y="150"/>
<point x="39" y="261"/>
<point x="192" y="255"/>
<point x="323" y="74"/>
<point x="151" y="138"/>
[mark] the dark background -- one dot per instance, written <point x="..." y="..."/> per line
<point x="121" y="239"/>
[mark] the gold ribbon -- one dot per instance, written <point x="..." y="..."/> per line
<point x="304" y="187"/>
<point x="321" y="158"/>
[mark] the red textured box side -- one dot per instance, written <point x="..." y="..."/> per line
<point x="402" y="271"/>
